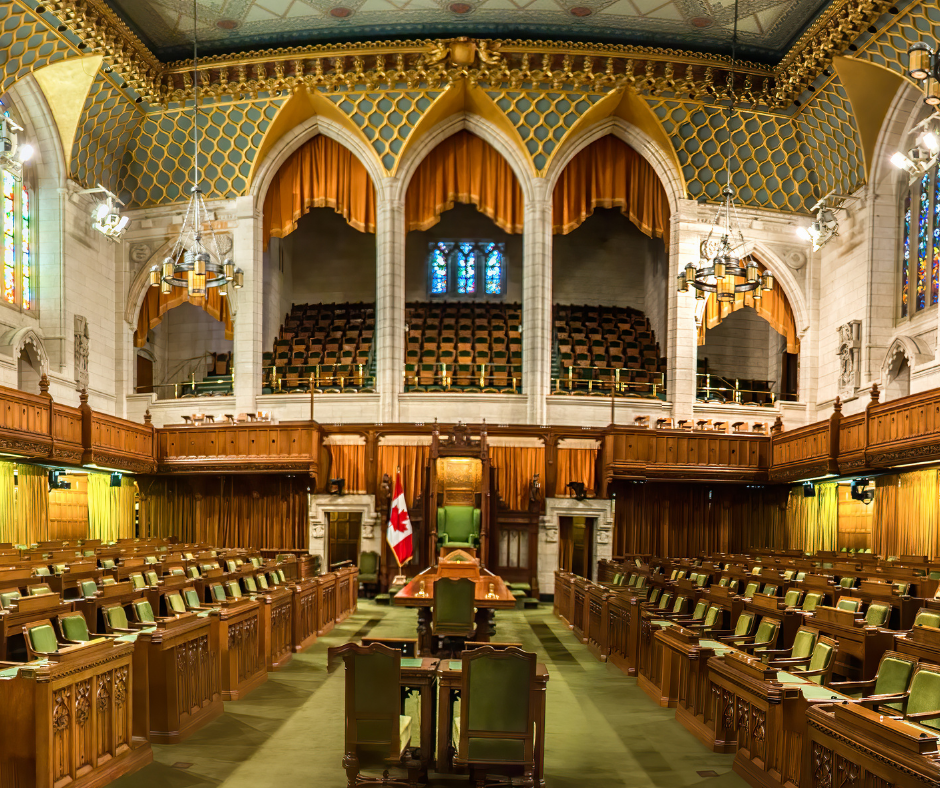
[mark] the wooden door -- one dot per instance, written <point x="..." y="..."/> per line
<point x="344" y="537"/>
<point x="144" y="375"/>
<point x="575" y="545"/>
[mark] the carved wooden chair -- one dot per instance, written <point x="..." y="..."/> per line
<point x="452" y="615"/>
<point x="803" y="643"/>
<point x="818" y="668"/>
<point x="40" y="639"/>
<point x="887" y="690"/>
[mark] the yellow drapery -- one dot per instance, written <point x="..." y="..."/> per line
<point x="321" y="173"/>
<point x="608" y="173"/>
<point x="412" y="460"/>
<point x="465" y="169"/>
<point x="7" y="512"/>
<point x="32" y="505"/>
<point x="515" y="467"/>
<point x="813" y="523"/>
<point x="110" y="509"/>
<point x="773" y="306"/>
<point x="904" y="521"/>
<point x="156" y="305"/>
<point x="574" y="465"/>
<point x="349" y="462"/>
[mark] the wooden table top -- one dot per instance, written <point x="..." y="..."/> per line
<point x="497" y="597"/>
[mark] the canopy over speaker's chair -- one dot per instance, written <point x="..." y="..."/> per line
<point x="495" y="729"/>
<point x="378" y="735"/>
<point x="458" y="526"/>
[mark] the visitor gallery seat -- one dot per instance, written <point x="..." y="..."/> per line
<point x="889" y="686"/>
<point x="458" y="526"/>
<point x="494" y="732"/>
<point x="377" y="734"/>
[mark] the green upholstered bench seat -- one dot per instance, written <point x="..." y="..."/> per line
<point x="517" y="592"/>
<point x="520" y="586"/>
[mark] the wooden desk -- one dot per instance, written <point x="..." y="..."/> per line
<point x="237" y="625"/>
<point x="68" y="719"/>
<point x="327" y="603"/>
<point x="421" y="675"/>
<point x="903" y="608"/>
<point x="305" y="614"/>
<point x="921" y="642"/>
<point x="176" y="676"/>
<point x="875" y="750"/>
<point x="562" y="605"/>
<point x="419" y="593"/>
<point x="114" y="594"/>
<point x="26" y="610"/>
<point x="860" y="647"/>
<point x="277" y="627"/>
<point x="449" y="679"/>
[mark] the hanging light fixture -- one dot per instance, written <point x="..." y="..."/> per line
<point x="722" y="268"/>
<point x="923" y="65"/>
<point x="196" y="261"/>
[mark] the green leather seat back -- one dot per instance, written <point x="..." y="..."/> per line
<point x="744" y="625"/>
<point x="281" y="576"/>
<point x="75" y="628"/>
<point x="679" y="606"/>
<point x="750" y="590"/>
<point x="88" y="588"/>
<point x="107" y="563"/>
<point x="927" y="619"/>
<point x="788" y="575"/>
<point x="191" y="598"/>
<point x="175" y="603"/>
<point x="822" y="654"/>
<point x="177" y="571"/>
<point x="275" y="580"/>
<point x="902" y="588"/>
<point x="250" y="585"/>
<point x="766" y="632"/>
<point x="256" y="562"/>
<point x="144" y="611"/>
<point x="42" y="639"/>
<point x="376" y="701"/>
<point x="231" y="565"/>
<point x="42" y="571"/>
<point x="800" y="577"/>
<point x="498" y="702"/>
<point x="152" y="578"/>
<point x="39" y="590"/>
<point x="724" y="581"/>
<point x="770" y="590"/>
<point x="848" y="603"/>
<point x="239" y="562"/>
<point x="108" y="581"/>
<point x="633" y="580"/>
<point x="218" y="593"/>
<point x="925" y="695"/>
<point x="641" y="582"/>
<point x="847" y="582"/>
<point x="137" y="581"/>
<point x="8" y="598"/>
<point x="193" y="572"/>
<point x="233" y="590"/>
<point x="116" y="617"/>
<point x="209" y="567"/>
<point x="757" y="570"/>
<point x="674" y="574"/>
<point x="712" y="616"/>
<point x="792" y="599"/>
<point x="894" y="676"/>
<point x="150" y="559"/>
<point x="877" y="615"/>
<point x="460" y="524"/>
<point x="664" y="601"/>
<point x="618" y="578"/>
<point x="453" y="604"/>
<point x="654" y="595"/>
<point x="263" y="582"/>
<point x="699" y="613"/>
<point x="803" y="643"/>
<point x="188" y="556"/>
<point x="811" y="601"/>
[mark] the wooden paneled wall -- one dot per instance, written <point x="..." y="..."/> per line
<point x="68" y="510"/>
<point x="855" y="519"/>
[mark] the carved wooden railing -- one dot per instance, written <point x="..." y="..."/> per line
<point x="248" y="448"/>
<point x="34" y="426"/>
<point x="805" y="452"/>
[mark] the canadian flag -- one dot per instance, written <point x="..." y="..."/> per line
<point x="399" y="524"/>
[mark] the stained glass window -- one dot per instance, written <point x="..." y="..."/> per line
<point x="9" y="237"/>
<point x="923" y="234"/>
<point x="26" y="261"/>
<point x="920" y="245"/>
<point x="935" y="261"/>
<point x="465" y="268"/>
<point x="905" y="265"/>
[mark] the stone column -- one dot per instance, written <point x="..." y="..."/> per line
<point x="389" y="298"/>
<point x="537" y="300"/>
<point x="248" y="305"/>
<point x="682" y="345"/>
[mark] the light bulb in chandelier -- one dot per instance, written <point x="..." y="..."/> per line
<point x="725" y="291"/>
<point x="682" y="284"/>
<point x="767" y="281"/>
<point x="752" y="274"/>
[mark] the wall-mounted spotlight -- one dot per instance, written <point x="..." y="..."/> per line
<point x="13" y="153"/>
<point x="116" y="477"/>
<point x="809" y="490"/>
<point x="925" y="151"/>
<point x="860" y="491"/>
<point x="106" y="216"/>
<point x="825" y="224"/>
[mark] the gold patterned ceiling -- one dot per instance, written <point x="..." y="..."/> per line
<point x="799" y="133"/>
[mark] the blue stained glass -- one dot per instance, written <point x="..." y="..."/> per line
<point x="466" y="269"/>
<point x="438" y="272"/>
<point x="905" y="265"/>
<point x="935" y="262"/>
<point x="26" y="267"/>
<point x="493" y="270"/>
<point x="923" y="236"/>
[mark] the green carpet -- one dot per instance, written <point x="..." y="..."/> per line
<point x="602" y="730"/>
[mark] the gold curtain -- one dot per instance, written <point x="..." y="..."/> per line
<point x="904" y="521"/>
<point x="608" y="173"/>
<point x="321" y="173"/>
<point x="412" y="460"/>
<point x="464" y="168"/>
<point x="574" y="465"/>
<point x="156" y="305"/>
<point x="773" y="306"/>
<point x="110" y="509"/>
<point x="515" y="466"/>
<point x="813" y="523"/>
<point x="258" y="511"/>
<point x="349" y="462"/>
<point x="7" y="511"/>
<point x="32" y="505"/>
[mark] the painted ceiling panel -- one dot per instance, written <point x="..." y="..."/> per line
<point x="767" y="27"/>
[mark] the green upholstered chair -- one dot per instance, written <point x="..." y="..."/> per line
<point x="818" y="668"/>
<point x="495" y="731"/>
<point x="770" y="590"/>
<point x="209" y="567"/>
<point x="256" y="562"/>
<point x="88" y="588"/>
<point x="73" y="628"/>
<point x="847" y="582"/>
<point x="712" y="617"/>
<point x="458" y="526"/>
<point x="153" y="580"/>
<point x="800" y="577"/>
<point x="811" y="601"/>
<point x="453" y="609"/>
<point x="233" y="590"/>
<point x="803" y="643"/>
<point x="664" y="602"/>
<point x="189" y="556"/>
<point x="617" y="581"/>
<point x="115" y="620"/>
<point x="849" y="603"/>
<point x="42" y="571"/>
<point x="654" y="595"/>
<point x="764" y="638"/>
<point x="757" y="570"/>
<point x="282" y="578"/>
<point x="40" y="639"/>
<point x="903" y="588"/>
<point x="150" y="559"/>
<point x="262" y="581"/>
<point x="108" y="581"/>
<point x="889" y="686"/>
<point x="792" y="598"/>
<point x="8" y="598"/>
<point x="788" y="574"/>
<point x="177" y="571"/>
<point x="107" y="563"/>
<point x="218" y="592"/>
<point x="175" y="604"/>
<point x="674" y="575"/>
<point x="143" y="612"/>
<point x="377" y="734"/>
<point x="927" y="618"/>
<point x="39" y="589"/>
<point x="701" y="608"/>
<point x="369" y="567"/>
<point x="239" y="562"/>
<point x="877" y="615"/>
<point x="191" y="598"/>
<point x="137" y="581"/>
<point x="251" y="585"/>
<point x="743" y="628"/>
<point x="922" y="704"/>
<point x="751" y="590"/>
<point x="231" y="566"/>
<point x="193" y="573"/>
<point x="680" y="575"/>
<point x="724" y="582"/>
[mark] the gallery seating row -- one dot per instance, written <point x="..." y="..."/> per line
<point x="142" y="642"/>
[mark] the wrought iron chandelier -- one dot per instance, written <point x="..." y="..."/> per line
<point x="724" y="268"/>
<point x="196" y="261"/>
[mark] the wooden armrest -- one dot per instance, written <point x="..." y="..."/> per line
<point x="777" y="663"/>
<point x="821" y="672"/>
<point x="877" y="700"/>
<point x="851" y="686"/>
<point x="739" y="640"/>
<point x="753" y="646"/>
<point x="768" y="652"/>
<point x="923" y="715"/>
<point x="128" y="631"/>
